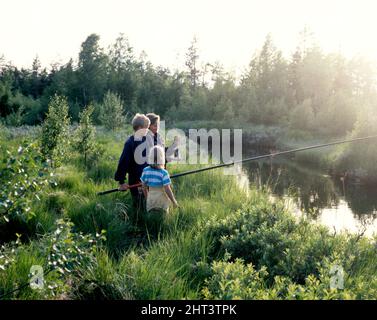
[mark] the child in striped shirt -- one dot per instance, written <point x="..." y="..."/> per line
<point x="156" y="182"/>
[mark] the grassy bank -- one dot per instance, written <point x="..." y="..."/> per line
<point x="222" y="243"/>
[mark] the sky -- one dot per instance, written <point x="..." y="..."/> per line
<point x="227" y="31"/>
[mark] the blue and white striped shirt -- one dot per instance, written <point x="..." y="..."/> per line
<point x="155" y="177"/>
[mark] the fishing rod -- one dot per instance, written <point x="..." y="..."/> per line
<point x="270" y="155"/>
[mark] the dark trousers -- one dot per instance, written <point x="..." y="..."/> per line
<point x="138" y="204"/>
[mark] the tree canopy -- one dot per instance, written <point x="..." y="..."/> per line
<point x="309" y="90"/>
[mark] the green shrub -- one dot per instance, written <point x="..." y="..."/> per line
<point x="60" y="254"/>
<point x="23" y="178"/>
<point x="85" y="134"/>
<point x="111" y="112"/>
<point x="236" y="280"/>
<point x="265" y="234"/>
<point x="54" y="140"/>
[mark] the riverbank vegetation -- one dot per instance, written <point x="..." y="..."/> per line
<point x="223" y="242"/>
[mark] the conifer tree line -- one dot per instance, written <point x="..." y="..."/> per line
<point x="308" y="90"/>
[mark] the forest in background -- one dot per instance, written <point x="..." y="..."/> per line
<point x="312" y="91"/>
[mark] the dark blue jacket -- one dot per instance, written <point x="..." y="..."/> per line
<point x="128" y="165"/>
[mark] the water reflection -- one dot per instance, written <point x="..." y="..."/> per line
<point x="328" y="200"/>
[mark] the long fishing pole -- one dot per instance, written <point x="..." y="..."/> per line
<point x="249" y="159"/>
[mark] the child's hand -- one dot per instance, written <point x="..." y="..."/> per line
<point x="176" y="205"/>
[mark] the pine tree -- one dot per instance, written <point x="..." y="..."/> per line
<point x="192" y="58"/>
<point x="92" y="70"/>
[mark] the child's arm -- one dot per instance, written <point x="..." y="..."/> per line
<point x="170" y="194"/>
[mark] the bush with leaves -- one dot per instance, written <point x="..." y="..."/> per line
<point x="23" y="177"/>
<point x="266" y="234"/>
<point x="237" y="280"/>
<point x="16" y="260"/>
<point x="234" y="280"/>
<point x="85" y="134"/>
<point x="284" y="248"/>
<point x="71" y="253"/>
<point x="55" y="140"/>
<point x="7" y="256"/>
<point x="69" y="249"/>
<point x="63" y="254"/>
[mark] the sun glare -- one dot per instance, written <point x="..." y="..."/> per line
<point x="228" y="31"/>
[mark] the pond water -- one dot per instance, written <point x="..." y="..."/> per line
<point x="311" y="191"/>
<point x="328" y="200"/>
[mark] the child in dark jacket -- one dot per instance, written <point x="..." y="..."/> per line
<point x="128" y="164"/>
